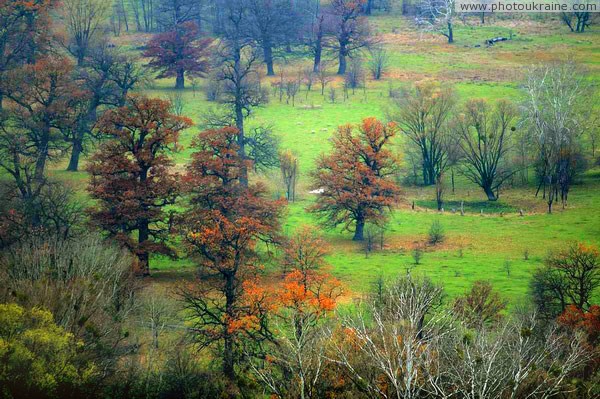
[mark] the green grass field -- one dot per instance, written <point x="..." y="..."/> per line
<point x="478" y="245"/>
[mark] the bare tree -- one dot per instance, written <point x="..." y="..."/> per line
<point x="291" y="89"/>
<point x="85" y="283"/>
<point x="577" y="21"/>
<point x="378" y="62"/>
<point x="389" y="335"/>
<point x="569" y="277"/>
<point x="241" y="90"/>
<point x="439" y="191"/>
<point x="315" y="26"/>
<point x="84" y="20"/>
<point x="437" y="16"/>
<point x="308" y="79"/>
<point x="423" y="114"/>
<point x="324" y="78"/>
<point x="269" y="22"/>
<point x="485" y="139"/>
<point x="289" y="173"/>
<point x="557" y="114"/>
<point x="355" y="76"/>
<point x="349" y="29"/>
<point x="145" y="12"/>
<point x="156" y="311"/>
<point x="519" y="360"/>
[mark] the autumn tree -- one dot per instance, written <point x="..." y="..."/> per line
<point x="179" y="52"/>
<point x="302" y="304"/>
<point x="356" y="177"/>
<point x="575" y="318"/>
<point x="43" y="99"/>
<point x="221" y="228"/>
<point x="131" y="176"/>
<point x="23" y="36"/>
<point x="485" y="133"/>
<point x="305" y="251"/>
<point x="349" y="30"/>
<point x="84" y="20"/>
<point x="480" y="306"/>
<point x="423" y="114"/>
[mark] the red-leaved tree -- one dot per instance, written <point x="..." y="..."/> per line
<point x="131" y="175"/>
<point x="179" y="52"/>
<point x="222" y="228"/>
<point x="356" y="178"/>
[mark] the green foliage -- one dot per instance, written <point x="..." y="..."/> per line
<point x="39" y="359"/>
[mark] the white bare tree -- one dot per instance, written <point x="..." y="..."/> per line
<point x="558" y="113"/>
<point x="437" y="16"/>
<point x="395" y="335"/>
<point x="521" y="359"/>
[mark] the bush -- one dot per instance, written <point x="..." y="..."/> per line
<point x="39" y="358"/>
<point x="436" y="233"/>
<point x="417" y="255"/>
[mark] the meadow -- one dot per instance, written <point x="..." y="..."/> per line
<point x="491" y="241"/>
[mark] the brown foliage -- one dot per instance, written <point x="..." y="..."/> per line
<point x="178" y="52"/>
<point x="131" y="175"/>
<point x="356" y="177"/>
<point x="480" y="306"/>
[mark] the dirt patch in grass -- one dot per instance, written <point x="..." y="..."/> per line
<point x="409" y="243"/>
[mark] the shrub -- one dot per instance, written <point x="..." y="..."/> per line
<point x="39" y="358"/>
<point x="417" y="255"/>
<point x="436" y="233"/>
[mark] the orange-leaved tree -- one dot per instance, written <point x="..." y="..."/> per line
<point x="356" y="178"/>
<point x="575" y="318"/>
<point x="293" y="365"/>
<point x="131" y="175"/>
<point x="222" y="227"/>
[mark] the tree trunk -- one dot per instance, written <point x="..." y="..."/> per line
<point x="239" y="121"/>
<point x="143" y="256"/>
<point x="490" y="193"/>
<point x="360" y="229"/>
<point x="342" y="60"/>
<point x="228" y="346"/>
<point x="450" y="33"/>
<point x="318" y="52"/>
<point x="75" y="153"/>
<point x="180" y="80"/>
<point x="268" y="55"/>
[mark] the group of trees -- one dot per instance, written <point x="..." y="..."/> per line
<point x="403" y="339"/>
<point x="490" y="143"/>
<point x="50" y="104"/>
